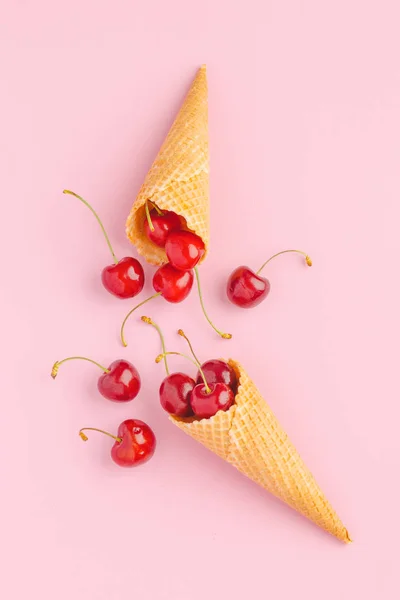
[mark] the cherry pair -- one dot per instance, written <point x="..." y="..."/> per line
<point x="247" y="288"/>
<point x="214" y="388"/>
<point x="166" y="229"/>
<point x="123" y="279"/>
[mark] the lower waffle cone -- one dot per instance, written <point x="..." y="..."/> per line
<point x="249" y="437"/>
<point x="178" y="178"/>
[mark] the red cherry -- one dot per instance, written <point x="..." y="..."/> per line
<point x="159" y="226"/>
<point x="120" y="382"/>
<point x="246" y="289"/>
<point x="172" y="284"/>
<point x="125" y="279"/>
<point x="137" y="444"/>
<point x="134" y="444"/>
<point x="175" y="393"/>
<point x="176" y="388"/>
<point x="184" y="249"/>
<point x="218" y="371"/>
<point x="206" y="403"/>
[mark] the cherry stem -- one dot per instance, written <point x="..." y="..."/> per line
<point x="308" y="259"/>
<point x="85" y="437"/>
<point x="148" y="217"/>
<point x="195" y="362"/>
<point x="151" y="322"/>
<point x="98" y="220"/>
<point x="129" y="314"/>
<point x="182" y="334"/>
<point x="226" y="336"/>
<point x="58" y="363"/>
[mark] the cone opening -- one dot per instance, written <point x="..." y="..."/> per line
<point x="136" y="233"/>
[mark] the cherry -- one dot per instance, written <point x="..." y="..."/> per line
<point x="184" y="249"/>
<point x="175" y="394"/>
<point x="123" y="279"/>
<point x="159" y="224"/>
<point x="172" y="284"/>
<point x="168" y="282"/>
<point x="247" y="289"/>
<point x="206" y="400"/>
<point x="176" y="388"/>
<point x="218" y="371"/>
<point x="134" y="445"/>
<point x="120" y="382"/>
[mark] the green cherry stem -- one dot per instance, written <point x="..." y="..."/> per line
<point x="85" y="437"/>
<point x="98" y="220"/>
<point x="182" y="334"/>
<point x="195" y="362"/>
<point x="148" y="217"/>
<point x="58" y="363"/>
<point x="129" y="314"/>
<point x="226" y="336"/>
<point x="308" y="259"/>
<point x="151" y="322"/>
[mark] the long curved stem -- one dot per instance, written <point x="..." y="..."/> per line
<point x="308" y="259"/>
<point x="58" y="363"/>
<point x="85" y="437"/>
<point x="182" y="334"/>
<point x="151" y="322"/>
<point x="195" y="362"/>
<point x="226" y="336"/>
<point x="98" y="220"/>
<point x="129" y="314"/>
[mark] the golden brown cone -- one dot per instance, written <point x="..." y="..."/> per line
<point x="249" y="437"/>
<point x="178" y="178"/>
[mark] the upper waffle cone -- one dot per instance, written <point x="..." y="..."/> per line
<point x="178" y="178"/>
<point x="249" y="437"/>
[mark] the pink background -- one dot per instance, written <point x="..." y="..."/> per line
<point x="305" y="144"/>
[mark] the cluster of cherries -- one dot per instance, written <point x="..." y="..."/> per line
<point x="213" y="389"/>
<point x="184" y="250"/>
<point x="216" y="384"/>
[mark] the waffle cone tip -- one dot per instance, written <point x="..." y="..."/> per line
<point x="178" y="180"/>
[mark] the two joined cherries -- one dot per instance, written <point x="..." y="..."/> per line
<point x="247" y="289"/>
<point x="214" y="389"/>
<point x="120" y="382"/>
<point x="134" y="443"/>
<point x="184" y="249"/>
<point x="125" y="278"/>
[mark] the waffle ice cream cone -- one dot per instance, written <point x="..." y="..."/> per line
<point x="249" y="437"/>
<point x="178" y="178"/>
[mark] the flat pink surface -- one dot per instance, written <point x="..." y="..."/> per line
<point x="305" y="149"/>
